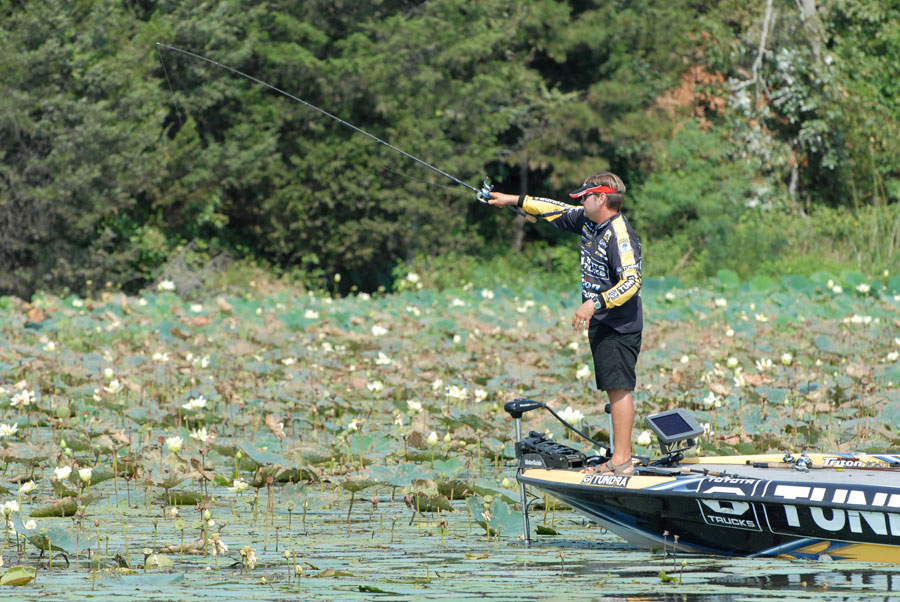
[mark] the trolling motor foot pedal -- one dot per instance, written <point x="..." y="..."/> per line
<point x="537" y="451"/>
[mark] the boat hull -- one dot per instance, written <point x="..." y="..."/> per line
<point x="742" y="510"/>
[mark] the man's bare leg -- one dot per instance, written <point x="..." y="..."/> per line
<point x="622" y="409"/>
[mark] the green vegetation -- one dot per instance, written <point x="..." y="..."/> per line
<point x="196" y="441"/>
<point x="751" y="139"/>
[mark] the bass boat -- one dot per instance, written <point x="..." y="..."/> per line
<point x="839" y="506"/>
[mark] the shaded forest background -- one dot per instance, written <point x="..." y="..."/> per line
<point x="757" y="136"/>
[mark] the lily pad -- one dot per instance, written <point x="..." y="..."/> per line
<point x="18" y="575"/>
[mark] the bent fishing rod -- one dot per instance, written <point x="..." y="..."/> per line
<point x="481" y="194"/>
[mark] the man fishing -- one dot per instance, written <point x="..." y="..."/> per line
<point x="610" y="292"/>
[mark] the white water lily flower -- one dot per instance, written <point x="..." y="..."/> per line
<point x="892" y="356"/>
<point x="288" y="361"/>
<point x="720" y="302"/>
<point x="457" y="302"/>
<point x="480" y="395"/>
<point x="836" y="289"/>
<point x="487" y="293"/>
<point x="414" y="311"/>
<point x="77" y="303"/>
<point x="412" y="277"/>
<point x="670" y="296"/>
<point x="571" y="415"/>
<point x="375" y="386"/>
<point x="161" y="356"/>
<point x="732" y="362"/>
<point x="200" y="434"/>
<point x="196" y="307"/>
<point x="739" y="380"/>
<point x="218" y="546"/>
<point x="398" y="419"/>
<point x="383" y="360"/>
<point x="414" y="406"/>
<point x="62" y="472"/>
<point x="763" y="364"/>
<point x="455" y="392"/>
<point x="196" y="403"/>
<point x="573" y="346"/>
<point x="174" y="444"/>
<point x="378" y="331"/>
<point x="583" y="372"/>
<point x="238" y="486"/>
<point x="711" y="399"/>
<point x="644" y="438"/>
<point x="729" y="332"/>
<point x="23" y="398"/>
<point x="113" y="387"/>
<point x="354" y="425"/>
<point x="311" y="314"/>
<point x="251" y="558"/>
<point x="685" y="359"/>
<point x="31" y="525"/>
<point x="10" y="507"/>
<point x="786" y="359"/>
<point x="27" y="487"/>
<point x="437" y="385"/>
<point x="165" y="285"/>
<point x="863" y="287"/>
<point x="761" y="318"/>
<point x="858" y="319"/>
<point x="8" y="430"/>
<point x="85" y="474"/>
<point x="432" y="439"/>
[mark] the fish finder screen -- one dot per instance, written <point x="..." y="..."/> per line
<point x="672" y="425"/>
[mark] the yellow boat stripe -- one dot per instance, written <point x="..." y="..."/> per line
<point x="571" y="477"/>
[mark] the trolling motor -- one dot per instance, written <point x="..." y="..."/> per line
<point x="537" y="451"/>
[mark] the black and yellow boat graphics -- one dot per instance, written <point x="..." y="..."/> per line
<point x="845" y="507"/>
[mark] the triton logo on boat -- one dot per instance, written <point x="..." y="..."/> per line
<point x="838" y="462"/>
<point x="606" y="480"/>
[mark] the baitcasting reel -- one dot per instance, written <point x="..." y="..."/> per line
<point x="485" y="193"/>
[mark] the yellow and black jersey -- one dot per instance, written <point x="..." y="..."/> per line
<point x="610" y="261"/>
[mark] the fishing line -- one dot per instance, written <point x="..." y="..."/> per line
<point x="166" y="72"/>
<point x="482" y="194"/>
<point x="414" y="179"/>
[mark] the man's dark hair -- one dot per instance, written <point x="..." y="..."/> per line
<point x="607" y="178"/>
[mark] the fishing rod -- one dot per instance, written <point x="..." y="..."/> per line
<point x="481" y="194"/>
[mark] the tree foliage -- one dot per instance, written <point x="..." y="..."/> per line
<point x="116" y="153"/>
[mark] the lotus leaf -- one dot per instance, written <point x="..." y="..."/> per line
<point x="64" y="507"/>
<point x="18" y="575"/>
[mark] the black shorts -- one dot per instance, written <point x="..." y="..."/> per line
<point x="615" y="356"/>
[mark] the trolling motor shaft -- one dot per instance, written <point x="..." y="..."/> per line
<point x="515" y="409"/>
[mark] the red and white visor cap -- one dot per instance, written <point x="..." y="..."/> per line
<point x="590" y="189"/>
